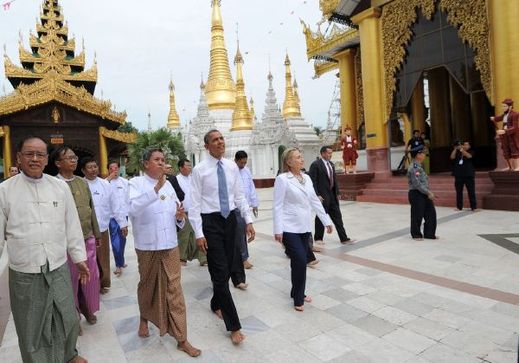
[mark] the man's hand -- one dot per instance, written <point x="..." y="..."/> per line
<point x="500" y="132"/>
<point x="255" y="211"/>
<point x="320" y="198"/>
<point x="431" y="196"/>
<point x="329" y="229"/>
<point x="181" y="213"/>
<point x="492" y="118"/>
<point x="99" y="242"/>
<point x="124" y="231"/>
<point x="160" y="183"/>
<point x="279" y="237"/>
<point x="111" y="176"/>
<point x="202" y="244"/>
<point x="84" y="272"/>
<point x="250" y="232"/>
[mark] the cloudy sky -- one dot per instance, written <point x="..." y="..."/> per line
<point x="139" y="44"/>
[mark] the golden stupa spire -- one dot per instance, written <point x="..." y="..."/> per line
<point x="252" y="110"/>
<point x="241" y="117"/>
<point x="290" y="106"/>
<point x="220" y="88"/>
<point x="296" y="93"/>
<point x="173" y="119"/>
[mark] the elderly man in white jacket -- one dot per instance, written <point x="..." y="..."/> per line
<point x="155" y="213"/>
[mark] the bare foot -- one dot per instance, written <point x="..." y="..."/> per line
<point x="91" y="319"/>
<point x="242" y="286"/>
<point x="505" y="169"/>
<point x="144" y="332"/>
<point x="118" y="271"/>
<point x="237" y="337"/>
<point x="418" y="239"/>
<point x="78" y="359"/>
<point x="183" y="263"/>
<point x="308" y="299"/>
<point x="299" y="308"/>
<point x="104" y="290"/>
<point x="218" y="313"/>
<point x="313" y="263"/>
<point x="186" y="347"/>
<point x="317" y="249"/>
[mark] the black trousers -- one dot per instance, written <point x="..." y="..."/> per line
<point x="237" y="269"/>
<point x="335" y="214"/>
<point x="220" y="234"/>
<point x="422" y="208"/>
<point x="469" y="182"/>
<point x="297" y="247"/>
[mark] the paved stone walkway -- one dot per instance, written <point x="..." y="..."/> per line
<point x="385" y="299"/>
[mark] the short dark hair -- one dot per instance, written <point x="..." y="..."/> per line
<point x="21" y="144"/>
<point x="60" y="150"/>
<point x="113" y="161"/>
<point x="146" y="154"/>
<point x="208" y="134"/>
<point x="85" y="160"/>
<point x="415" y="131"/>
<point x="182" y="162"/>
<point x="240" y="154"/>
<point x="324" y="148"/>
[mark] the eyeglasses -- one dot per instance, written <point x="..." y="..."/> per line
<point x="70" y="158"/>
<point x="33" y="154"/>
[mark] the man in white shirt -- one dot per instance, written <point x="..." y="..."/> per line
<point x="186" y="236"/>
<point x="249" y="190"/>
<point x="216" y="194"/>
<point x="118" y="233"/>
<point x="39" y="225"/>
<point x="105" y="205"/>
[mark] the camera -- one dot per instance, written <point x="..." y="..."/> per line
<point x="457" y="143"/>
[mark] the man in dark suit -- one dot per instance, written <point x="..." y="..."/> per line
<point x="322" y="172"/>
<point x="174" y="182"/>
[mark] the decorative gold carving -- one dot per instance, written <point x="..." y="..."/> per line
<point x="359" y="88"/>
<point x="55" y="115"/>
<point x="469" y="17"/>
<point x="471" y="20"/>
<point x="54" y="88"/>
<point x="321" y="67"/>
<point x="126" y="137"/>
<point x="317" y="44"/>
<point x="327" y="7"/>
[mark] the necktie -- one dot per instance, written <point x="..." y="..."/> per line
<point x="330" y="174"/>
<point x="222" y="191"/>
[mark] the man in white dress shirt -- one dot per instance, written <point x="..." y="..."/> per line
<point x="186" y="236"/>
<point x="105" y="205"/>
<point x="155" y="213"/>
<point x="249" y="190"/>
<point x="216" y="194"/>
<point x="117" y="233"/>
<point x="39" y="225"/>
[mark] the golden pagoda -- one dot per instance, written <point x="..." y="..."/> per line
<point x="173" y="119"/>
<point x="291" y="107"/>
<point x="220" y="88"/>
<point x="53" y="87"/>
<point x="241" y="117"/>
<point x="252" y="110"/>
<point x="296" y="93"/>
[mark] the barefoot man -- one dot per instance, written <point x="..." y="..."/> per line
<point x="216" y="198"/>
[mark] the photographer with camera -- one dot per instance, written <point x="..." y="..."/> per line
<point x="464" y="174"/>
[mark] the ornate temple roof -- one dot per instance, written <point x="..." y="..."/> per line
<point x="241" y="117"/>
<point x="173" y="118"/>
<point x="291" y="108"/>
<point x="220" y="89"/>
<point x="51" y="51"/>
<point x="51" y="72"/>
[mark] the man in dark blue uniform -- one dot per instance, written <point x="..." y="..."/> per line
<point x="420" y="198"/>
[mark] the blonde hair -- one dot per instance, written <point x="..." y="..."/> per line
<point x="285" y="157"/>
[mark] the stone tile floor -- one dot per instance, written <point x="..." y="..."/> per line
<point x="385" y="299"/>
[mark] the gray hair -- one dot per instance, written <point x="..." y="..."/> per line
<point x="148" y="152"/>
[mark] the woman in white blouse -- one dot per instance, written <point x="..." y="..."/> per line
<point x="294" y="201"/>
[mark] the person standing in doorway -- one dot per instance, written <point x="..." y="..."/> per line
<point x="464" y="174"/>
<point x="421" y="198"/>
<point x="213" y="216"/>
<point x="118" y="233"/>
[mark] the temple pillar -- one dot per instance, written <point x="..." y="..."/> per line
<point x="504" y="50"/>
<point x="479" y="112"/>
<point x="348" y="90"/>
<point x="460" y="112"/>
<point x="418" y="108"/>
<point x="8" y="161"/>
<point x="103" y="156"/>
<point x="372" y="62"/>
<point x="440" y="113"/>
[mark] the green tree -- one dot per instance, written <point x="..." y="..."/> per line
<point x="172" y="145"/>
<point x="127" y="127"/>
<point x="318" y="130"/>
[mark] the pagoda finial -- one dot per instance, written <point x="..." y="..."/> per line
<point x="296" y="93"/>
<point x="173" y="118"/>
<point x="220" y="88"/>
<point x="291" y="108"/>
<point x="241" y="117"/>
